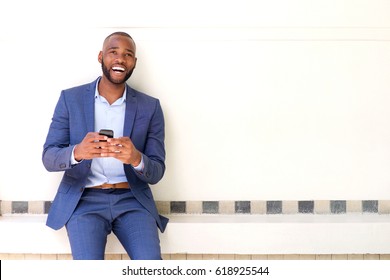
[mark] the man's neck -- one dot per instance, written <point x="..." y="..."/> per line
<point x="111" y="92"/>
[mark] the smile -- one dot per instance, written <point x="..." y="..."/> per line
<point x="118" y="69"/>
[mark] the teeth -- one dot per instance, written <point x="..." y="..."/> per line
<point x="118" y="69"/>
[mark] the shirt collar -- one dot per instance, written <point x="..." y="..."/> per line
<point x="99" y="97"/>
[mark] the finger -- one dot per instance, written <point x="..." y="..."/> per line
<point x="107" y="147"/>
<point x="102" y="144"/>
<point x="101" y="138"/>
<point x="120" y="141"/>
<point x="94" y="137"/>
<point x="111" y="154"/>
<point x="91" y="135"/>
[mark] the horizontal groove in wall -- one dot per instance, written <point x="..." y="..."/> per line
<point x="262" y="34"/>
<point x="209" y="257"/>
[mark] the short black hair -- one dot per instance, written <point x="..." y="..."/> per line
<point x="119" y="33"/>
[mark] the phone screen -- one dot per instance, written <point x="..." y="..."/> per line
<point x="107" y="132"/>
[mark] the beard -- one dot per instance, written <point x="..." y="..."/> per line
<point x="106" y="72"/>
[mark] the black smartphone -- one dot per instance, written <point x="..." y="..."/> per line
<point x="106" y="132"/>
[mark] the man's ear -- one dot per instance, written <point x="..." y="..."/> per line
<point x="100" y="57"/>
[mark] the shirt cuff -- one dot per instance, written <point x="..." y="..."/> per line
<point x="73" y="161"/>
<point x="140" y="166"/>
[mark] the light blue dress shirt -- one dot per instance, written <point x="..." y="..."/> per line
<point x="108" y="170"/>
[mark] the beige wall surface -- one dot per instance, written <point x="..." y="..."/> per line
<point x="263" y="100"/>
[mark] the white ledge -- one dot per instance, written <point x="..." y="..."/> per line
<point x="224" y="234"/>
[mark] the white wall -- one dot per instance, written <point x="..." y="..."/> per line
<point x="263" y="99"/>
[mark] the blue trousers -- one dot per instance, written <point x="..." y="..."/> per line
<point x="101" y="212"/>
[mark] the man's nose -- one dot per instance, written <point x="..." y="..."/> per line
<point x="119" y="58"/>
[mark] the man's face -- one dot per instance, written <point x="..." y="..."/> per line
<point x="118" y="59"/>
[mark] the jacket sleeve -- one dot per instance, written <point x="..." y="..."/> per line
<point x="57" y="149"/>
<point x="154" y="151"/>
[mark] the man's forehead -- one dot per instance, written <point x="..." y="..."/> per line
<point x="115" y="40"/>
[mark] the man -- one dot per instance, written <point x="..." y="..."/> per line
<point x="105" y="186"/>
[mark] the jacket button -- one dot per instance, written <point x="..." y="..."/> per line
<point x="62" y="165"/>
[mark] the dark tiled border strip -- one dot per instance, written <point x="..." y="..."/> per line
<point x="275" y="207"/>
<point x="306" y="207"/>
<point x="270" y="207"/>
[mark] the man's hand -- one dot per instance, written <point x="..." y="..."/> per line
<point x="90" y="147"/>
<point x="123" y="149"/>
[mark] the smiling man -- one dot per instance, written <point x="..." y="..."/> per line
<point x="105" y="186"/>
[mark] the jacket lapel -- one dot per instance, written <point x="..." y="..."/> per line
<point x="89" y="106"/>
<point x="131" y="110"/>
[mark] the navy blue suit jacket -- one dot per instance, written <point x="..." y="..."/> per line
<point x="73" y="118"/>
